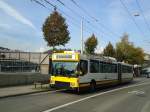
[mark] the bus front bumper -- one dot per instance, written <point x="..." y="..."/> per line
<point x="64" y="82"/>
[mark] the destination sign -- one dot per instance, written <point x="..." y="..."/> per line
<point x="66" y="56"/>
<point x="63" y="56"/>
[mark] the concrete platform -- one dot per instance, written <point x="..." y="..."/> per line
<point x="22" y="90"/>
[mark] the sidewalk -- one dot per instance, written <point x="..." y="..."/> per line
<point x="22" y="90"/>
<point x="29" y="89"/>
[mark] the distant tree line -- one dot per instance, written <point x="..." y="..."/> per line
<point x="125" y="51"/>
<point x="55" y="32"/>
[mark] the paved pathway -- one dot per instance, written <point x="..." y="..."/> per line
<point x="20" y="90"/>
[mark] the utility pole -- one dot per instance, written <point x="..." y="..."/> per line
<point x="81" y="36"/>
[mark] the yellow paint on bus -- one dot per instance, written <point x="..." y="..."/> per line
<point x="73" y="81"/>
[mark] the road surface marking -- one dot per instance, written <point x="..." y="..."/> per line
<point x="132" y="92"/>
<point x="86" y="98"/>
<point x="137" y="92"/>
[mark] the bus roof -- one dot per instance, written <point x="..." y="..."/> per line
<point x="100" y="58"/>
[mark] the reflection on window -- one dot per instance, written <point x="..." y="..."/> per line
<point x="84" y="66"/>
<point x="109" y="68"/>
<point x="126" y="69"/>
<point x="94" y="66"/>
<point x="64" y="68"/>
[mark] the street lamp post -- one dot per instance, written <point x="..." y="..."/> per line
<point x="81" y="36"/>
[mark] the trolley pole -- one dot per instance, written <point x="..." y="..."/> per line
<point x="81" y="36"/>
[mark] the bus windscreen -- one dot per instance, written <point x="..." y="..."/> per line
<point x="64" y="68"/>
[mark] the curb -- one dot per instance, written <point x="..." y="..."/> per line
<point x="21" y="94"/>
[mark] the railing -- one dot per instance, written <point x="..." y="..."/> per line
<point x="22" y="61"/>
<point x="25" y="56"/>
<point x="19" y="69"/>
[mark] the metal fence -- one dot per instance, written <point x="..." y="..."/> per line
<point x="21" y="61"/>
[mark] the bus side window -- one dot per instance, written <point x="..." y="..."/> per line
<point x="114" y="68"/>
<point x="129" y="69"/>
<point x="105" y="70"/>
<point x="94" y="66"/>
<point x="126" y="69"/>
<point x="84" y="66"/>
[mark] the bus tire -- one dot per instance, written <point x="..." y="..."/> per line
<point x="92" y="86"/>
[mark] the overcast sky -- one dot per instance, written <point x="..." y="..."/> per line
<point x="21" y="22"/>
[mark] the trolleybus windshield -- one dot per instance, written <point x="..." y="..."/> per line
<point x="64" y="68"/>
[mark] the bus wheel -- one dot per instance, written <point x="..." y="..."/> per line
<point x="92" y="86"/>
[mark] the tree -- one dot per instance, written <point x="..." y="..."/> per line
<point x="127" y="52"/>
<point x="122" y="48"/>
<point x="109" y="50"/>
<point x="135" y="56"/>
<point x="55" y="30"/>
<point x="90" y="44"/>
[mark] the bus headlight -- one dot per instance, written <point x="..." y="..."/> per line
<point x="72" y="84"/>
<point x="52" y="82"/>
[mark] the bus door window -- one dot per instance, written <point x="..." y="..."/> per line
<point x="84" y="66"/>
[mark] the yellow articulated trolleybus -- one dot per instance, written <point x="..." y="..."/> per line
<point x="75" y="71"/>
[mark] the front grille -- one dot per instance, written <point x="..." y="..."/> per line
<point x="62" y="84"/>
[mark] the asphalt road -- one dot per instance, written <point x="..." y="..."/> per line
<point x="132" y="97"/>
